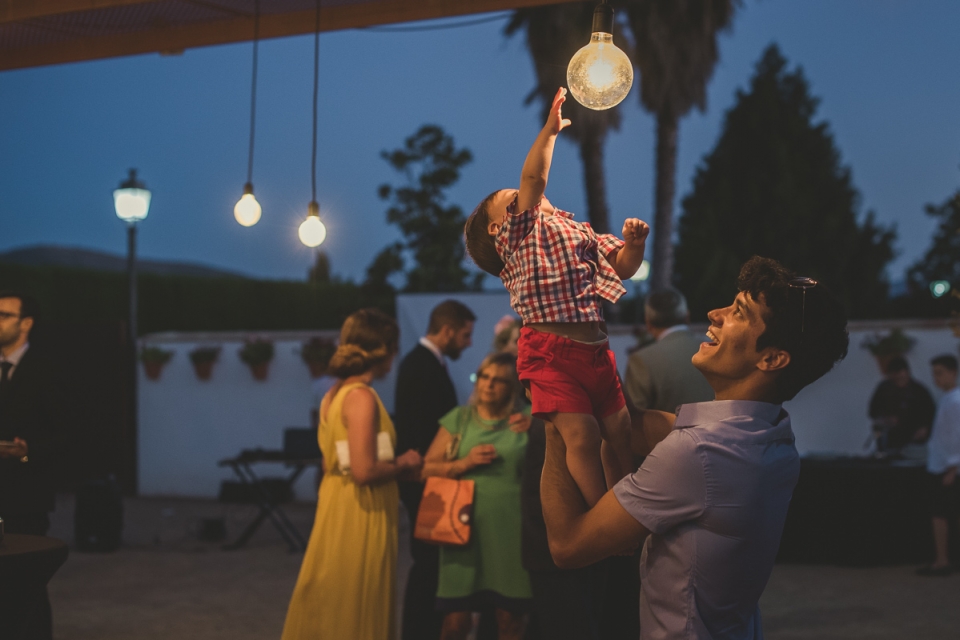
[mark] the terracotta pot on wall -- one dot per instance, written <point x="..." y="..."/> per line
<point x="260" y="370"/>
<point x="153" y="369"/>
<point x="204" y="370"/>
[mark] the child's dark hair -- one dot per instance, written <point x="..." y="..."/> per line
<point x="812" y="329"/>
<point x="481" y="245"/>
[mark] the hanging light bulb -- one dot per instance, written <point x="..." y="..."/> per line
<point x="247" y="210"/>
<point x="312" y="232"/>
<point x="600" y="75"/>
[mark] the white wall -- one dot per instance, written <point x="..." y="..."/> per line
<point x="186" y="425"/>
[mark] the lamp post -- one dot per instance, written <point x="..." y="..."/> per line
<point x="132" y="203"/>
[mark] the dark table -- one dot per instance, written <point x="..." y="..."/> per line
<point x="26" y="565"/>
<point x="266" y="499"/>
<point x="858" y="512"/>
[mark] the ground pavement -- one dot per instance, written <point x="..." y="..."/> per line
<point x="165" y="584"/>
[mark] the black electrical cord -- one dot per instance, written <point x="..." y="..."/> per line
<point x="253" y="88"/>
<point x="316" y="77"/>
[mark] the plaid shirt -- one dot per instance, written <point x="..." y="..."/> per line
<point x="556" y="269"/>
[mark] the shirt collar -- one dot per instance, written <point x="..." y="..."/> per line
<point x="673" y="329"/>
<point x="434" y="350"/>
<point x="700" y="413"/>
<point x="14" y="357"/>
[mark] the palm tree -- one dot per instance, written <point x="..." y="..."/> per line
<point x="675" y="50"/>
<point x="553" y="34"/>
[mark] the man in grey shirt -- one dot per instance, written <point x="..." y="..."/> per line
<point x="711" y="498"/>
<point x="660" y="375"/>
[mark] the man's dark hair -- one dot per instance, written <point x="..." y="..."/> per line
<point x="665" y="308"/>
<point x="29" y="308"/>
<point x="946" y="361"/>
<point x="896" y="364"/>
<point x="449" y="313"/>
<point x="811" y="327"/>
<point x="481" y="245"/>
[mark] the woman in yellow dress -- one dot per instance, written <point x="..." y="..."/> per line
<point x="348" y="579"/>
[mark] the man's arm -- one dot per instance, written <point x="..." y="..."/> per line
<point x="579" y="536"/>
<point x="536" y="168"/>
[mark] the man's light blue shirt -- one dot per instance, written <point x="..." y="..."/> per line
<point x="714" y="495"/>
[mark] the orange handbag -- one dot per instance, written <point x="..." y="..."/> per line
<point x="446" y="508"/>
<point x="446" y="511"/>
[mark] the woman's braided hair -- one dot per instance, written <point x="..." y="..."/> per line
<point x="368" y="337"/>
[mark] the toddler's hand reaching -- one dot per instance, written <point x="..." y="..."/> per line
<point x="555" y="121"/>
<point x="635" y="232"/>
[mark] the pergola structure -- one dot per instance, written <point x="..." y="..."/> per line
<point x="35" y="33"/>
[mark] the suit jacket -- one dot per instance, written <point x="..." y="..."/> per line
<point x="660" y="376"/>
<point x="27" y="411"/>
<point x="424" y="394"/>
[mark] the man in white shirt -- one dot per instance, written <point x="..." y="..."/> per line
<point x="943" y="458"/>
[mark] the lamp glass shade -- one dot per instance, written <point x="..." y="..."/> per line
<point x="600" y="75"/>
<point x="131" y="204"/>
<point x="312" y="232"/>
<point x="247" y="210"/>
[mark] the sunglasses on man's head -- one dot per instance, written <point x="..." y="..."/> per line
<point x="803" y="284"/>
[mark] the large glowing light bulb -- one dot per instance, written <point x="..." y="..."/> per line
<point x="312" y="232"/>
<point x="939" y="288"/>
<point x="247" y="210"/>
<point x="600" y="75"/>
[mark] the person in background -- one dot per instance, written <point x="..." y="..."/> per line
<point x="506" y="334"/>
<point x="660" y="376"/>
<point x="28" y="435"/>
<point x="481" y="442"/>
<point x="348" y="579"/>
<point x="424" y="394"/>
<point x="943" y="458"/>
<point x="901" y="409"/>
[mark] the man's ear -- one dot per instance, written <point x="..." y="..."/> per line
<point x="26" y="324"/>
<point x="773" y="359"/>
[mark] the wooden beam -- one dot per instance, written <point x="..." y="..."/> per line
<point x="176" y="38"/>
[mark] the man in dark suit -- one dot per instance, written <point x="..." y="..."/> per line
<point x="27" y="428"/>
<point x="425" y="394"/>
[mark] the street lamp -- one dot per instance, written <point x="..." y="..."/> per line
<point x="132" y="203"/>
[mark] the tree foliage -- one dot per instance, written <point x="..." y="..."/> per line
<point x="774" y="186"/>
<point x="432" y="229"/>
<point x="940" y="262"/>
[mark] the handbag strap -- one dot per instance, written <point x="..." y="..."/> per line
<point x="463" y="419"/>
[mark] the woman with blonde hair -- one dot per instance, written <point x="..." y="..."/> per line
<point x="478" y="441"/>
<point x="347" y="582"/>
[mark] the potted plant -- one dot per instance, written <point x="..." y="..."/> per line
<point x="316" y="354"/>
<point x="885" y="347"/>
<point x="153" y="359"/>
<point x="257" y="354"/>
<point x="203" y="359"/>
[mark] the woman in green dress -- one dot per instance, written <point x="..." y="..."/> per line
<point x="476" y="442"/>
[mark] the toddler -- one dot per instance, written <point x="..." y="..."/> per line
<point x="556" y="271"/>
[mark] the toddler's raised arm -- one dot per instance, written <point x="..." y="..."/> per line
<point x="536" y="168"/>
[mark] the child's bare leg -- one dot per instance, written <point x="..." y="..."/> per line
<point x="616" y="453"/>
<point x="581" y="436"/>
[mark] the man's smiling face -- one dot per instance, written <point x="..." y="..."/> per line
<point x="731" y="353"/>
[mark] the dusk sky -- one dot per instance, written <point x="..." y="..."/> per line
<point x="885" y="70"/>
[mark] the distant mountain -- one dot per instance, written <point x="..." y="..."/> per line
<point x="54" y="256"/>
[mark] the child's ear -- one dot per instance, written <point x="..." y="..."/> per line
<point x="493" y="228"/>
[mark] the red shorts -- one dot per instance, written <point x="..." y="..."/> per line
<point x="567" y="376"/>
